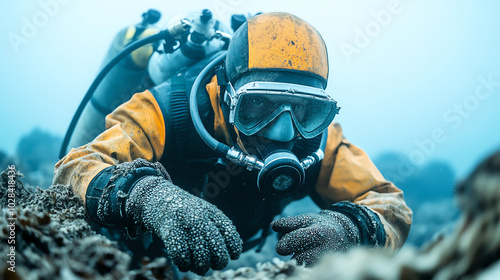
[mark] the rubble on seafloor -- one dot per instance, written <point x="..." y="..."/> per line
<point x="55" y="241"/>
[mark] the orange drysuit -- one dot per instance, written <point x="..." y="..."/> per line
<point x="136" y="129"/>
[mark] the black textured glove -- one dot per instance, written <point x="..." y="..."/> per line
<point x="197" y="235"/>
<point x="309" y="236"/>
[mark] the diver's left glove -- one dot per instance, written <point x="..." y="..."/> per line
<point x="310" y="236"/>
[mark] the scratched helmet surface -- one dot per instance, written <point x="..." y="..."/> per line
<point x="277" y="47"/>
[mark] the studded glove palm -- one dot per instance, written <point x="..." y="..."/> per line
<point x="197" y="235"/>
<point x="309" y="236"/>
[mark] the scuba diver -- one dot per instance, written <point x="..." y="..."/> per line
<point x="209" y="155"/>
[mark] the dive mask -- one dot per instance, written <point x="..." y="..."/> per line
<point x="256" y="104"/>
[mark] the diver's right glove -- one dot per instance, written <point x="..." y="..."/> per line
<point x="310" y="236"/>
<point x="343" y="226"/>
<point x="197" y="235"/>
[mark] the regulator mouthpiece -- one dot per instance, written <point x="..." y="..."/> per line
<point x="282" y="174"/>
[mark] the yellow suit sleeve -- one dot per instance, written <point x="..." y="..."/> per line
<point x="347" y="173"/>
<point x="135" y="129"/>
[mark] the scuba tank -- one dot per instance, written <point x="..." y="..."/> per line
<point x="126" y="78"/>
<point x="126" y="67"/>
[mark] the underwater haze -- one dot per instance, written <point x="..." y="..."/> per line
<point x="417" y="77"/>
<point x="418" y="81"/>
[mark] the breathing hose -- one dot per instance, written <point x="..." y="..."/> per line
<point x="225" y="151"/>
<point x="220" y="148"/>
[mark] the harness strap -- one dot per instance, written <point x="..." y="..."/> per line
<point x="179" y="106"/>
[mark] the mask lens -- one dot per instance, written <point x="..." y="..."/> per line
<point x="311" y="115"/>
<point x="253" y="110"/>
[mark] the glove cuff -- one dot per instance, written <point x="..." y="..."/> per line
<point x="371" y="229"/>
<point x="108" y="191"/>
